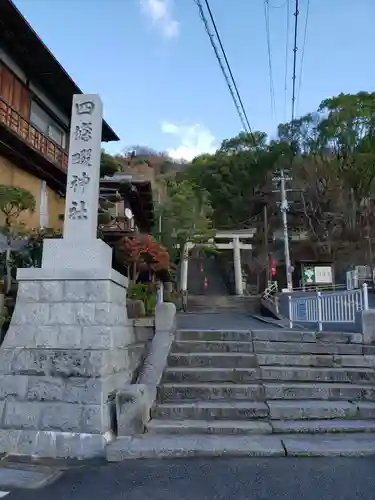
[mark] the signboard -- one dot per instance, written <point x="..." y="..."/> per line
<point x="317" y="274"/>
<point x="323" y="274"/>
<point x="308" y="275"/>
<point x="82" y="188"/>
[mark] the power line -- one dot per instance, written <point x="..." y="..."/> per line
<point x="227" y="62"/>
<point x="270" y="72"/>
<point x="303" y="51"/>
<point x="295" y="48"/>
<point x="227" y="72"/>
<point x="286" y="57"/>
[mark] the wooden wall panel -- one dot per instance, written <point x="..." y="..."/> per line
<point x="14" y="92"/>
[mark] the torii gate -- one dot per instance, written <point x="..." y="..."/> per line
<point x="235" y="242"/>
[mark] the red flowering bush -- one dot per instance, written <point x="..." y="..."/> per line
<point x="143" y="252"/>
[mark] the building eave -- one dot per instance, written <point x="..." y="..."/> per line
<point x="34" y="57"/>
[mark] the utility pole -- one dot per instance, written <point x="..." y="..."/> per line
<point x="284" y="209"/>
<point x="284" y="206"/>
<point x="370" y="258"/>
<point x="160" y="219"/>
<point x="266" y="250"/>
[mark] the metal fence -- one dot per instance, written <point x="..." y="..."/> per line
<point x="358" y="276"/>
<point x="337" y="307"/>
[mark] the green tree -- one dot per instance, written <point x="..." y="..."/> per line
<point x="348" y="130"/>
<point x="108" y="164"/>
<point x="185" y="217"/>
<point x="232" y="177"/>
<point x="13" y="201"/>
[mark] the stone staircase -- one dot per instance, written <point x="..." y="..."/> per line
<point x="223" y="303"/>
<point x="266" y="382"/>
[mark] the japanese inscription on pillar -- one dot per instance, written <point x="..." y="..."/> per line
<point x="82" y="190"/>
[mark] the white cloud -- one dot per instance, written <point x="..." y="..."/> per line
<point x="194" y="140"/>
<point x="160" y="14"/>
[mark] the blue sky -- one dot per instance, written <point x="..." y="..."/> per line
<point x="153" y="66"/>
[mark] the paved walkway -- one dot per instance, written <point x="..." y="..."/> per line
<point x="220" y="321"/>
<point x="218" y="479"/>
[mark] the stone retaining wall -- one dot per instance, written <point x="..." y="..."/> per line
<point x="69" y="348"/>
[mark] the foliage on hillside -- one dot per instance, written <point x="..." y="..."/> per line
<point x="330" y="154"/>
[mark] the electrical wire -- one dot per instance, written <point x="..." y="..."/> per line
<point x="286" y="57"/>
<point x="270" y="72"/>
<point x="295" y="48"/>
<point x="225" y="68"/>
<point x="303" y="52"/>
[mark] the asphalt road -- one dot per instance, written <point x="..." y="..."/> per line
<point x="216" y="479"/>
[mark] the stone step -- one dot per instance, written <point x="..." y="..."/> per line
<point x="192" y="445"/>
<point x="309" y="374"/>
<point x="210" y="410"/>
<point x="220" y="360"/>
<point x="323" y="445"/>
<point x="316" y="360"/>
<point x="306" y="348"/>
<point x="187" y="346"/>
<point x="223" y="303"/>
<point x="214" y="335"/>
<point x="182" y="392"/>
<point x="208" y="427"/>
<point x="317" y="391"/>
<point x="274" y="335"/>
<point x="207" y="374"/>
<point x="322" y="426"/>
<point x="266" y="391"/>
<point x="319" y="410"/>
<point x="303" y="336"/>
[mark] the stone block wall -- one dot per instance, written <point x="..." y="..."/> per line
<point x="69" y="348"/>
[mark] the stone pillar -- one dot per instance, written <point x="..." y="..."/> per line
<point x="367" y="323"/>
<point x="184" y="268"/>
<point x="69" y="345"/>
<point x="237" y="266"/>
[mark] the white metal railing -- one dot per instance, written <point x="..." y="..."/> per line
<point x="359" y="275"/>
<point x="270" y="294"/>
<point x="272" y="289"/>
<point x="337" y="307"/>
<point x="160" y="293"/>
<point x="316" y="287"/>
<point x="352" y="281"/>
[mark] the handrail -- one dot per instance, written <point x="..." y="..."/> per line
<point x="270" y="294"/>
<point x="13" y="120"/>
<point x="336" y="307"/>
<point x="134" y="401"/>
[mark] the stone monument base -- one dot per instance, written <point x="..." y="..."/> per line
<point x="67" y="351"/>
<point x="76" y="254"/>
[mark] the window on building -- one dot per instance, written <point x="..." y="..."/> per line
<point x="47" y="125"/>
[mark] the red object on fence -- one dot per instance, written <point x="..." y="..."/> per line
<point x="273" y="268"/>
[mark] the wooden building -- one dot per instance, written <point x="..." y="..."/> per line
<point x="35" y="106"/>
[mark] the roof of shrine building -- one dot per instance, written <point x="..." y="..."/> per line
<point x="38" y="62"/>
